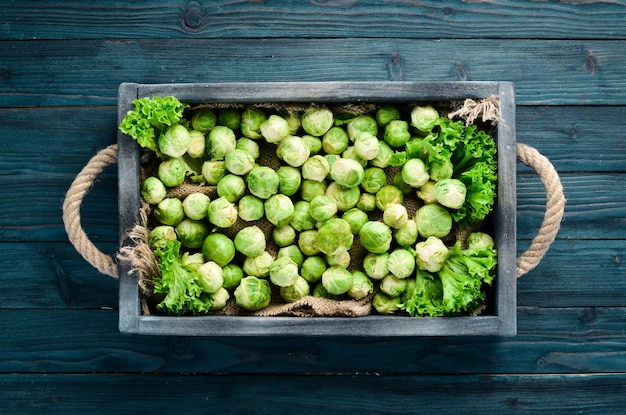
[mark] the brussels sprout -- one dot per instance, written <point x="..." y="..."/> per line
<point x="397" y="133"/>
<point x="239" y="162"/>
<point x="433" y="220"/>
<point x="191" y="233"/>
<point x="311" y="188"/>
<point x="220" y="141"/>
<point x="414" y="173"/>
<point x="384" y="155"/>
<point x="229" y="117"/>
<point x="320" y="292"/>
<point x="283" y="272"/>
<point x="385" y="304"/>
<point x="450" y="193"/>
<point x="351" y="154"/>
<point x="392" y="285"/>
<point x="258" y="266"/>
<point x="322" y="208"/>
<point x="312" y="268"/>
<point x="197" y="144"/>
<point x="334" y="236"/>
<point x="335" y="141"/>
<point x="172" y="172"/>
<point x="231" y="187"/>
<point x="203" y="119"/>
<point x="222" y="213"/>
<point x="250" y="146"/>
<point x="293" y="151"/>
<point x="232" y="274"/>
<point x="395" y="215"/>
<point x="374" y="179"/>
<point x="293" y="252"/>
<point x="219" y="299"/>
<point x="251" y="120"/>
<point x="317" y="120"/>
<point x="213" y="171"/>
<point x="316" y="168"/>
<point x="263" y="182"/>
<point x="431" y="254"/>
<point x="284" y="235"/>
<point x="339" y="259"/>
<point x="159" y="235"/>
<point x="307" y="242"/>
<point x="153" y="190"/>
<point x="441" y="169"/>
<point x="274" y="129"/>
<point x="210" y="277"/>
<point x="427" y="192"/>
<point x="253" y="294"/>
<point x="386" y="114"/>
<point x="169" y="211"/>
<point x="375" y="237"/>
<point x="191" y="262"/>
<point x="331" y="159"/>
<point x="362" y="286"/>
<point x="356" y="218"/>
<point x="367" y="202"/>
<point x="347" y="173"/>
<point x="289" y="180"/>
<point x="279" y="210"/>
<point x="250" y="241"/>
<point x="387" y="195"/>
<point x="400" y="184"/>
<point x="401" y="263"/>
<point x="362" y="124"/>
<point x="376" y="266"/>
<point x="366" y="146"/>
<point x="174" y="140"/>
<point x="314" y="144"/>
<point x="218" y="248"/>
<point x="480" y="240"/>
<point x="337" y="280"/>
<point x="345" y="197"/>
<point x="296" y="291"/>
<point x="406" y="235"/>
<point x="302" y="219"/>
<point x="251" y="208"/>
<point x="293" y="119"/>
<point x="424" y="118"/>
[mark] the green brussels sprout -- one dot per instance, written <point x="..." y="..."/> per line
<point x="374" y="179"/>
<point x="314" y="144"/>
<point x="213" y="171"/>
<point x="250" y="208"/>
<point x="383" y="157"/>
<point x="424" y="118"/>
<point x="351" y="154"/>
<point x="219" y="299"/>
<point x="289" y="180"/>
<point x="302" y="219"/>
<point x="376" y="266"/>
<point x="263" y="182"/>
<point x="375" y="237"/>
<point x="367" y="202"/>
<point x="366" y="146"/>
<point x="258" y="266"/>
<point x="172" y="172"/>
<point x="191" y="262"/>
<point x="316" y="168"/>
<point x="431" y="254"/>
<point x="401" y="263"/>
<point x="311" y="188"/>
<point x="250" y="146"/>
<point x="232" y="275"/>
<point x="231" y="187"/>
<point x="307" y="242"/>
<point x="174" y="140"/>
<point x="220" y="141"/>
<point x="293" y="151"/>
<point x="345" y="197"/>
<point x="426" y="192"/>
<point x="347" y="172"/>
<point x="191" y="233"/>
<point x="250" y="241"/>
<point x="395" y="215"/>
<point x="274" y="129"/>
<point x="253" y="294"/>
<point x="400" y="184"/>
<point x="203" y="119"/>
<point x="293" y="252"/>
<point x="335" y="141"/>
<point x="159" y="235"/>
<point x="339" y="259"/>
<point x="283" y="272"/>
<point x="356" y="218"/>
<point x="385" y="304"/>
<point x="406" y="235"/>
<point x="334" y="236"/>
<point x="414" y="173"/>
<point x="320" y="292"/>
<point x="229" y="117"/>
<point x="312" y="268"/>
<point x="251" y="120"/>
<point x="218" y="248"/>
<point x="392" y="285"/>
<point x="331" y="159"/>
<point x="169" y="211"/>
<point x="362" y="124"/>
<point x="296" y="291"/>
<point x="337" y="280"/>
<point x="317" y="120"/>
<point x="450" y="193"/>
<point x="322" y="208"/>
<point x="239" y="162"/>
<point x="283" y="235"/>
<point x="433" y="220"/>
<point x="279" y="210"/>
<point x="387" y="195"/>
<point x="362" y="286"/>
<point x="293" y="119"/>
<point x="222" y="213"/>
<point x="441" y="169"/>
<point x="480" y="240"/>
<point x="197" y="144"/>
<point x="153" y="190"/>
<point x="397" y="133"/>
<point x="386" y="114"/>
<point x="210" y="277"/>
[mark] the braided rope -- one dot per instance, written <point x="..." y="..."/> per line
<point x="71" y="211"/>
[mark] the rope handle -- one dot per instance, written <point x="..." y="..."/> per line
<point x="107" y="265"/>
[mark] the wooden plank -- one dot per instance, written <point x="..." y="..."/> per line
<point x="279" y="394"/>
<point x="88" y="72"/>
<point x="434" y="19"/>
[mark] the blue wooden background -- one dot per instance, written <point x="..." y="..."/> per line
<point x="60" y="66"/>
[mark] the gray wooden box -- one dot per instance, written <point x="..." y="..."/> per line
<point x="502" y="320"/>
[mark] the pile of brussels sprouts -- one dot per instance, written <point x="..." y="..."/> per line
<point x="298" y="202"/>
